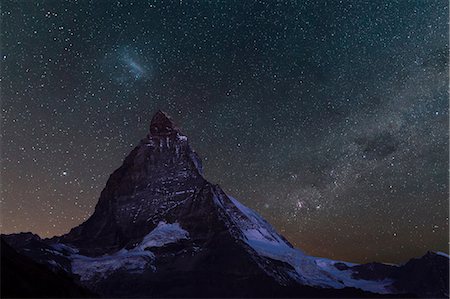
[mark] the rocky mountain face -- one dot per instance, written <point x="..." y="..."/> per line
<point x="156" y="180"/>
<point x="161" y="230"/>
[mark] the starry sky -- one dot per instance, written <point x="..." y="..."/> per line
<point x="329" y="118"/>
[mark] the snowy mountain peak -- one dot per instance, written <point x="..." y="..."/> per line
<point x="160" y="229"/>
<point x="162" y="125"/>
<point x="156" y="179"/>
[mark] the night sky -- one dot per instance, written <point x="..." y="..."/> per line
<point x="329" y="118"/>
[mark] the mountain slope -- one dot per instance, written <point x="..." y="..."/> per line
<point x="22" y="277"/>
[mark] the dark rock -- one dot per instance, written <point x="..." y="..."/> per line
<point x="373" y="271"/>
<point x="427" y="276"/>
<point x="20" y="240"/>
<point x="162" y="125"/>
<point x="341" y="266"/>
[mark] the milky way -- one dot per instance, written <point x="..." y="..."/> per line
<point x="329" y="118"/>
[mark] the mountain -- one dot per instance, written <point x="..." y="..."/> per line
<point x="22" y="277"/>
<point x="160" y="229"/>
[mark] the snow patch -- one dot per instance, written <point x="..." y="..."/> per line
<point x="64" y="248"/>
<point x="182" y="137"/>
<point x="135" y="260"/>
<point x="163" y="234"/>
<point x="443" y="254"/>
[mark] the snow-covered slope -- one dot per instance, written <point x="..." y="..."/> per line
<point x="309" y="270"/>
<point x="135" y="260"/>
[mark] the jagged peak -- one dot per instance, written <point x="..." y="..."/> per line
<point x="162" y="125"/>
